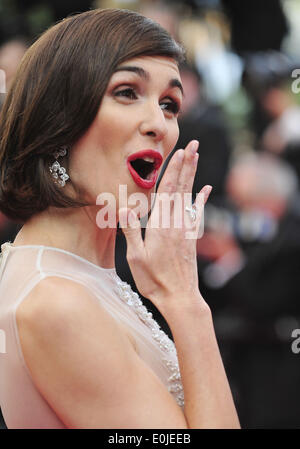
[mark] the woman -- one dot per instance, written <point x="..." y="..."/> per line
<point x="94" y="107"/>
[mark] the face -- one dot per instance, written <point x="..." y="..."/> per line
<point x="134" y="131"/>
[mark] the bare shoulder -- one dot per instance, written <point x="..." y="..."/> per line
<point x="54" y="295"/>
<point x="54" y="298"/>
<point x="58" y="307"/>
<point x="59" y="312"/>
<point x="84" y="365"/>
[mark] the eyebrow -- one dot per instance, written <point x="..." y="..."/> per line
<point x="174" y="82"/>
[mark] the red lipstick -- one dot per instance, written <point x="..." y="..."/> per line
<point x="156" y="160"/>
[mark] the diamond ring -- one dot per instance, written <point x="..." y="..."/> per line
<point x="192" y="212"/>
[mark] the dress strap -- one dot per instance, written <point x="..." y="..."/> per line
<point x="3" y="255"/>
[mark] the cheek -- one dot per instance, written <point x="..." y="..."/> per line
<point x="172" y="137"/>
<point x="113" y="130"/>
<point x="176" y="133"/>
<point x="107" y="129"/>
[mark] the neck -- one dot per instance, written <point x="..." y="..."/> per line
<point x="74" y="230"/>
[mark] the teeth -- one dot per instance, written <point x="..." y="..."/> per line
<point x="148" y="159"/>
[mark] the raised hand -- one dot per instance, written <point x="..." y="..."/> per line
<point x="164" y="264"/>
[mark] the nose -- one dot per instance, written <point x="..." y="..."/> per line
<point x="154" y="123"/>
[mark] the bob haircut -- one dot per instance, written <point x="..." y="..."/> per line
<point x="55" y="97"/>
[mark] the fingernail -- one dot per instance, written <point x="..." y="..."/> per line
<point x="194" y="146"/>
<point x="180" y="155"/>
<point x="196" y="157"/>
<point x="207" y="189"/>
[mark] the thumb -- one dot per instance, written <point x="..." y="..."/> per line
<point x="131" y="228"/>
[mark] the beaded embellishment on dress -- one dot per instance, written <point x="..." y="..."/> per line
<point x="131" y="298"/>
<point x="3" y="255"/>
<point x="4" y="248"/>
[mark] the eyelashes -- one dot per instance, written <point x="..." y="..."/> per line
<point x="171" y="106"/>
<point x="128" y="92"/>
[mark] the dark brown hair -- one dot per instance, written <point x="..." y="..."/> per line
<point x="56" y="95"/>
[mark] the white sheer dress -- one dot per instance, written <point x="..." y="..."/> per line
<point x="21" y="268"/>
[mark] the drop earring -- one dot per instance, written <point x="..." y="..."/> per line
<point x="59" y="173"/>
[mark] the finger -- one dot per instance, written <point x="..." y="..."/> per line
<point x="131" y="228"/>
<point x="206" y="190"/>
<point x="202" y="198"/>
<point x="169" y="180"/>
<point x="200" y="202"/>
<point x="189" y="167"/>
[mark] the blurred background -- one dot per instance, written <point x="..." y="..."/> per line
<point x="242" y="102"/>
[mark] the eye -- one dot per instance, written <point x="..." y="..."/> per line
<point x="129" y="92"/>
<point x="172" y="106"/>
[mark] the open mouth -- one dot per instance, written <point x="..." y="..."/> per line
<point x="144" y="166"/>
